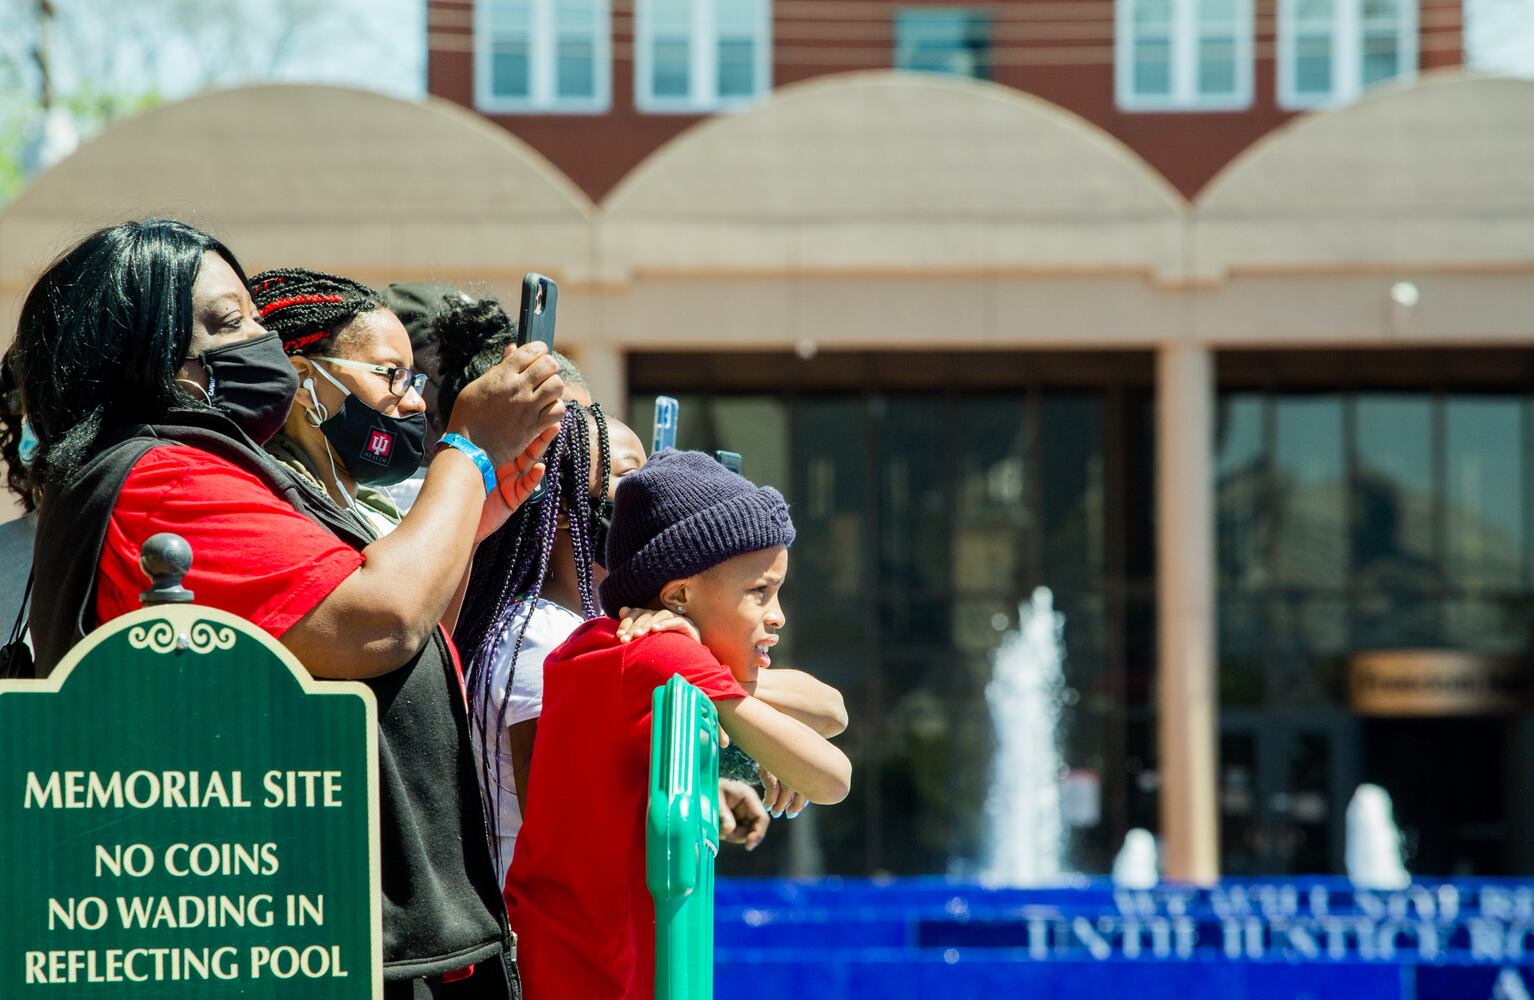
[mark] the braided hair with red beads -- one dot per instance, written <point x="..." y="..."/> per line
<point x="309" y="309"/>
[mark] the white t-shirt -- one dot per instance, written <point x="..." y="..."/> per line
<point x="550" y="626"/>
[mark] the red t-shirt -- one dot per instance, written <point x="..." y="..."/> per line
<point x="252" y="553"/>
<point x="576" y="891"/>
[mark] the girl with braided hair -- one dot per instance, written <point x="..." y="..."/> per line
<point x="358" y="423"/>
<point x="534" y="581"/>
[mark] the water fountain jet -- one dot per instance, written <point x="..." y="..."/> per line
<point x="1025" y="833"/>
<point x="1137" y="865"/>
<point x="1374" y="858"/>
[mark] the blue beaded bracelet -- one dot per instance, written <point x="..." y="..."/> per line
<point x="475" y="452"/>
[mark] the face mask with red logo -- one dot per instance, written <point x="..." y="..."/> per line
<point x="377" y="449"/>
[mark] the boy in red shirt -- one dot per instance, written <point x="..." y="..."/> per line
<point x="690" y="537"/>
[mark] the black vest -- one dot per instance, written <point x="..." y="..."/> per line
<point x="442" y="905"/>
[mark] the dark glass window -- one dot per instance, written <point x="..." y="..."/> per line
<point x="1153" y="48"/>
<point x="1484" y="513"/>
<point x="1072" y="494"/>
<point x="1309" y="495"/>
<point x="737" y="67"/>
<point x="1313" y="41"/>
<point x="1395" y="570"/>
<point x="943" y="40"/>
<point x="1307" y="648"/>
<point x="1365" y="519"/>
<point x="576" y="62"/>
<point x="1380" y="37"/>
<point x="671" y="66"/>
<point x="1382" y="56"/>
<point x="1393" y="494"/>
<point x="509" y="68"/>
<point x="914" y="536"/>
<point x="739" y="25"/>
<point x="759" y="425"/>
<point x="1072" y="526"/>
<point x="1240" y="836"/>
<point x="1241" y="475"/>
<point x="1398" y="520"/>
<point x="1243" y="644"/>
<point x="1370" y="520"/>
<point x="1217" y="66"/>
<point x="992" y="519"/>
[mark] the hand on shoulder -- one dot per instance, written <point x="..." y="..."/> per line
<point x="636" y="622"/>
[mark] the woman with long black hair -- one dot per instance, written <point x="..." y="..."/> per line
<point x="151" y="385"/>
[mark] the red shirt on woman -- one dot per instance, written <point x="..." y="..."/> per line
<point x="252" y="553"/>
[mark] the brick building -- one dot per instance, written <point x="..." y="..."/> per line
<point x="598" y="85"/>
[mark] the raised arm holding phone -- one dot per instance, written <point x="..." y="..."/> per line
<point x="357" y="422"/>
<point x="410" y="575"/>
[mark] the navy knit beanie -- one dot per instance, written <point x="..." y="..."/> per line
<point x="680" y="514"/>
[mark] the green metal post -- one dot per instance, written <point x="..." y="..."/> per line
<point x="682" y="839"/>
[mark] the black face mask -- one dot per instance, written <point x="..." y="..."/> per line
<point x="378" y="450"/>
<point x="600" y="524"/>
<point x="253" y="382"/>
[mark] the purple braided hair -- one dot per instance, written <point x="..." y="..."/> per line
<point x="509" y="572"/>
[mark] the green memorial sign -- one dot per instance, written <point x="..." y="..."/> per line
<point x="185" y="812"/>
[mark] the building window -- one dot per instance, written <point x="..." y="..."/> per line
<point x="1183" y="55"/>
<point x="701" y="55"/>
<point x="1330" y="51"/>
<point x="945" y="40"/>
<point x="542" y="56"/>
<point x="1369" y="519"/>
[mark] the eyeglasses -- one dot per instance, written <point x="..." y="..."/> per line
<point x="401" y="380"/>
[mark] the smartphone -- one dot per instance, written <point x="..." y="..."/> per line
<point x="666" y="410"/>
<point x="729" y="459"/>
<point x="536" y="321"/>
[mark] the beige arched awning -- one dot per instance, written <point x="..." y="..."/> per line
<point x="1436" y="175"/>
<point x="892" y="172"/>
<point x="807" y="216"/>
<point x="343" y="180"/>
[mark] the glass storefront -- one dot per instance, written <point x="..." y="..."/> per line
<point x="1354" y="512"/>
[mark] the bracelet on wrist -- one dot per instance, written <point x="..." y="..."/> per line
<point x="475" y="453"/>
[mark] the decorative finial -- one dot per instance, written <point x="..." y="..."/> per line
<point x="166" y="558"/>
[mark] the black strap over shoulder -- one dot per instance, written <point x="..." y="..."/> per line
<point x="16" y="656"/>
<point x="72" y="521"/>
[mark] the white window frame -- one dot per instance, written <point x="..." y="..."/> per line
<point x="703" y="71"/>
<point x="1184" y="95"/>
<point x="1347" y="52"/>
<point x="543" y="65"/>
